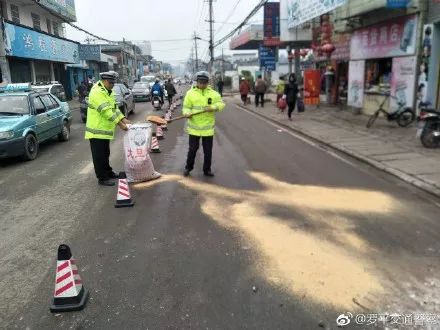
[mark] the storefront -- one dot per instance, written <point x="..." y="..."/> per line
<point x="382" y="60"/>
<point x="336" y="68"/>
<point x="37" y="57"/>
<point x="429" y="69"/>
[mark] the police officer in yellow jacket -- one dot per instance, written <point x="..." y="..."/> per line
<point x="102" y="117"/>
<point x="201" y="98"/>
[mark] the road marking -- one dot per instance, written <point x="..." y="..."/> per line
<point x="302" y="138"/>
<point x="87" y="169"/>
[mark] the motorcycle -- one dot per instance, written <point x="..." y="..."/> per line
<point x="428" y="127"/>
<point x="157" y="102"/>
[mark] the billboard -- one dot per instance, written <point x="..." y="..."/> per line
<point x="396" y="37"/>
<point x="267" y="58"/>
<point x="301" y="11"/>
<point x="402" y="81"/>
<point x="22" y="42"/>
<point x="64" y="8"/>
<point x="271" y="25"/>
<point x="90" y="52"/>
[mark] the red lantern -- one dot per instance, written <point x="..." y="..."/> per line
<point x="328" y="48"/>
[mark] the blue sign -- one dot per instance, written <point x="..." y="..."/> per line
<point x="22" y="42"/>
<point x="397" y="3"/>
<point x="65" y="8"/>
<point x="267" y="58"/>
<point x="90" y="52"/>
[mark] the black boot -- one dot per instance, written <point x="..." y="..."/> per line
<point x="107" y="183"/>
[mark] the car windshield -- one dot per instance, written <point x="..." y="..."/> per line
<point x="140" y="86"/>
<point x="14" y="104"/>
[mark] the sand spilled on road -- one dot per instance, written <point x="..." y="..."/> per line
<point x="327" y="263"/>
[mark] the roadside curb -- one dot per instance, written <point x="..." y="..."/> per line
<point x="419" y="183"/>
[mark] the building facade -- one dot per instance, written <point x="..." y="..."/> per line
<point x="36" y="49"/>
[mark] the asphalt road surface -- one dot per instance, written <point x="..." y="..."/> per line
<point x="287" y="235"/>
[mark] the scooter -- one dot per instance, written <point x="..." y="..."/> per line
<point x="428" y="127"/>
<point x="157" y="104"/>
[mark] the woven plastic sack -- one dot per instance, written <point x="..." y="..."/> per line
<point x="138" y="165"/>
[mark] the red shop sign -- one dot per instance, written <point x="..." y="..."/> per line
<point x="392" y="38"/>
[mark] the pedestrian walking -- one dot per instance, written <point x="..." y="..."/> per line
<point x="102" y="117"/>
<point x="260" y="90"/>
<point x="245" y="88"/>
<point x="82" y="91"/>
<point x="171" y="91"/>
<point x="220" y="85"/>
<point x="280" y="88"/>
<point x="201" y="97"/>
<point x="291" y="94"/>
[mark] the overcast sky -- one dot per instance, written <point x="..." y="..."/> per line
<point x="161" y="20"/>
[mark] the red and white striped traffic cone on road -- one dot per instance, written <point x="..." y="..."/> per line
<point x="70" y="294"/>
<point x="159" y="133"/>
<point x="123" y="198"/>
<point x="154" y="148"/>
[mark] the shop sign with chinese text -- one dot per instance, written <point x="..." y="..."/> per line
<point x="402" y="81"/>
<point x="22" y="42"/>
<point x="90" y="52"/>
<point x="267" y="58"/>
<point x="312" y="83"/>
<point x="65" y="8"/>
<point x="272" y="24"/>
<point x="392" y="38"/>
<point x="301" y="11"/>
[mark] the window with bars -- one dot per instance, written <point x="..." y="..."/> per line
<point x="15" y="14"/>
<point x="49" y="26"/>
<point x="56" y="29"/>
<point x="36" y="21"/>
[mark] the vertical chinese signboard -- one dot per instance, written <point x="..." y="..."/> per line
<point x="392" y="38"/>
<point x="356" y="84"/>
<point x="267" y="58"/>
<point x="301" y="11"/>
<point x="312" y="81"/>
<point x="402" y="81"/>
<point x="271" y="24"/>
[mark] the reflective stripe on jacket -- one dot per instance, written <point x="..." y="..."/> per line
<point x="102" y="114"/>
<point x="195" y="101"/>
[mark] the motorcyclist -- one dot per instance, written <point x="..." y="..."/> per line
<point x="157" y="88"/>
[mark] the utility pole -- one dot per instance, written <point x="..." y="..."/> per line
<point x="211" y="37"/>
<point x="195" y="44"/>
<point x="223" y="65"/>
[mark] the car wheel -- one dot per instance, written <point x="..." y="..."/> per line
<point x="30" y="147"/>
<point x="65" y="133"/>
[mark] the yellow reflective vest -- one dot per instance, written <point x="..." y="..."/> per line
<point x="102" y="114"/>
<point x="196" y="100"/>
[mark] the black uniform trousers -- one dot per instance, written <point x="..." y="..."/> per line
<point x="101" y="155"/>
<point x="194" y="143"/>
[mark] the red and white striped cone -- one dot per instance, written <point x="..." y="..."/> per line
<point x="123" y="198"/>
<point x="167" y="116"/>
<point x="170" y="115"/>
<point x="154" y="148"/>
<point x="70" y="294"/>
<point x="159" y="133"/>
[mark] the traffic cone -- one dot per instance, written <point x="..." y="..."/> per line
<point x="167" y="116"/>
<point x="154" y="147"/>
<point x="170" y="115"/>
<point x="123" y="198"/>
<point x="159" y="133"/>
<point x="70" y="294"/>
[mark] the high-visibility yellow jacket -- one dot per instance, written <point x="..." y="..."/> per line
<point x="280" y="87"/>
<point x="196" y="100"/>
<point x="102" y="114"/>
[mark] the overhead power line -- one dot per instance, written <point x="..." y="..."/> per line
<point x="228" y="17"/>
<point x="71" y="24"/>
<point x="251" y="14"/>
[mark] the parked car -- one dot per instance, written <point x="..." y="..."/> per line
<point x="141" y="91"/>
<point x="124" y="100"/>
<point x="53" y="87"/>
<point x="28" y="118"/>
